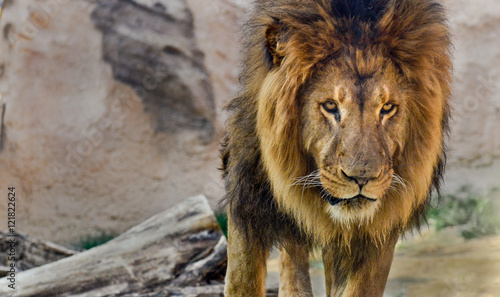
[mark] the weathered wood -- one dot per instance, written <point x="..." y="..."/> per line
<point x="30" y="252"/>
<point x="179" y="252"/>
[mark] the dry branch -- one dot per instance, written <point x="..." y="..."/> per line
<point x="30" y="253"/>
<point x="179" y="252"/>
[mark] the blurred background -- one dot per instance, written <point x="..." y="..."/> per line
<point x="112" y="110"/>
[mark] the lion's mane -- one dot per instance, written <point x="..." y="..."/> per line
<point x="262" y="152"/>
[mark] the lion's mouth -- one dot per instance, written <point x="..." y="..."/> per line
<point x="334" y="200"/>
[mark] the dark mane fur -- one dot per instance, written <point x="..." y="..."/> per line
<point x="249" y="195"/>
<point x="368" y="11"/>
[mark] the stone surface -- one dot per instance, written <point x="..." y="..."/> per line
<point x="84" y="155"/>
<point x="475" y="137"/>
<point x="151" y="47"/>
<point x="217" y="25"/>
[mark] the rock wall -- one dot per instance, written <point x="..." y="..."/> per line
<point x="95" y="140"/>
<point x="474" y="147"/>
<point x="114" y="107"/>
<point x="151" y="47"/>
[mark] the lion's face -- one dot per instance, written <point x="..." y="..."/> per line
<point x="353" y="127"/>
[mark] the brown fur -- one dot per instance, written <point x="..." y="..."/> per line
<point x="361" y="55"/>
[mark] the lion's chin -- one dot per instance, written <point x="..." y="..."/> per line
<point x="356" y="210"/>
<point x="334" y="201"/>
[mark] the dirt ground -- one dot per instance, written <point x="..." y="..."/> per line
<point x="434" y="264"/>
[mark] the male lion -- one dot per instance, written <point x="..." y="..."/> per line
<point x="335" y="141"/>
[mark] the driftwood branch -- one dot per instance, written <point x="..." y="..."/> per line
<point x="179" y="252"/>
<point x="30" y="253"/>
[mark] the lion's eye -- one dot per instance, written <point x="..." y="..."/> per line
<point x="387" y="108"/>
<point x="330" y="106"/>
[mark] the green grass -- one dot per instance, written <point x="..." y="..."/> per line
<point x="474" y="215"/>
<point x="222" y="220"/>
<point x="91" y="241"/>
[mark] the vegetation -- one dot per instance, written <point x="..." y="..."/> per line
<point x="474" y="215"/>
<point x="92" y="240"/>
<point x="222" y="219"/>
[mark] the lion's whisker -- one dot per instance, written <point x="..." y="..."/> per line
<point x="398" y="184"/>
<point x="307" y="180"/>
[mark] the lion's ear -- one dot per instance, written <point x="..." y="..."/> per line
<point x="274" y="34"/>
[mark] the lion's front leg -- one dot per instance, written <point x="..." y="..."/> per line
<point x="361" y="273"/>
<point x="294" y="272"/>
<point x="246" y="267"/>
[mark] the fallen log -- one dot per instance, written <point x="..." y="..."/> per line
<point x="30" y="252"/>
<point x="179" y="252"/>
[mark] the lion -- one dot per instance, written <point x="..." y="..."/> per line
<point x="336" y="140"/>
